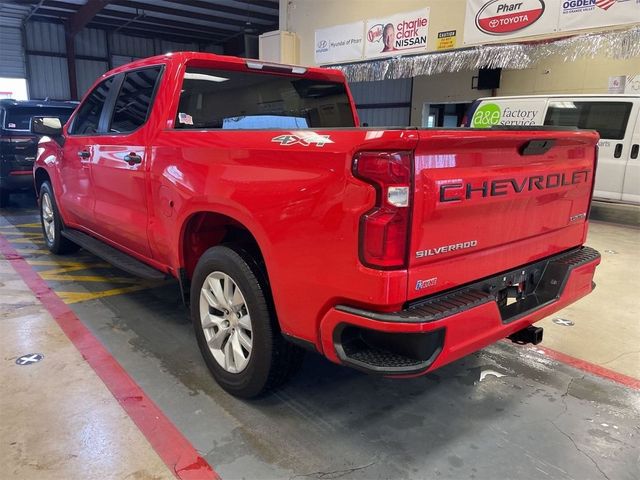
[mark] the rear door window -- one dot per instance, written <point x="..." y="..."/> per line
<point x="608" y="118"/>
<point x="134" y="100"/>
<point x="229" y="100"/>
<point x="88" y="118"/>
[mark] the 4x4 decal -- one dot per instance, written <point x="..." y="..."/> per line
<point x="305" y="139"/>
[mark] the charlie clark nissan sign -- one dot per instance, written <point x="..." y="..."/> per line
<point x="397" y="34"/>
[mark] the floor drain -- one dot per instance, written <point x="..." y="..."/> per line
<point x="563" y="322"/>
<point x="29" y="359"/>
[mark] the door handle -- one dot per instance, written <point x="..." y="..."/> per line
<point x="617" y="153"/>
<point x="634" y="151"/>
<point x="133" y="159"/>
<point x="84" y="154"/>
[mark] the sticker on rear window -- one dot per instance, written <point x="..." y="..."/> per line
<point x="185" y="118"/>
<point x="11" y="125"/>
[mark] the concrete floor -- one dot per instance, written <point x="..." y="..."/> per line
<point x="504" y="412"/>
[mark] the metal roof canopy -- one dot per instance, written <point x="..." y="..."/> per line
<point x="210" y="22"/>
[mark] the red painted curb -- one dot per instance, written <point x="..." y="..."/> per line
<point x="172" y="447"/>
<point x="591" y="368"/>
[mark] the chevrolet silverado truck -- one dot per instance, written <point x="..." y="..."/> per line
<point x="288" y="227"/>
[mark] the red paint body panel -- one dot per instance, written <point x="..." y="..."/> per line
<point x="303" y="206"/>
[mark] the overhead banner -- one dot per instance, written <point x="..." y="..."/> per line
<point x="493" y="20"/>
<point x="499" y="20"/>
<point x="397" y="34"/>
<point x="578" y="14"/>
<point x="342" y="43"/>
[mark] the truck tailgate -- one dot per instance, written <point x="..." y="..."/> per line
<point x="489" y="201"/>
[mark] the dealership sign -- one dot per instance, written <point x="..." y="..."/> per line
<point x="521" y="113"/>
<point x="342" y="43"/>
<point x="500" y="20"/>
<point x="499" y="17"/>
<point x="397" y="34"/>
<point x="577" y="14"/>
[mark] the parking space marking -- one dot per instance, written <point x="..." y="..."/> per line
<point x="165" y="438"/>
<point x="77" y="297"/>
<point x="66" y="270"/>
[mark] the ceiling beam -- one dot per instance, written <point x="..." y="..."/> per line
<point x="261" y="3"/>
<point x="242" y="12"/>
<point x="84" y="15"/>
<point x="149" y="7"/>
<point x="151" y="20"/>
<point x="158" y="31"/>
<point x="47" y="12"/>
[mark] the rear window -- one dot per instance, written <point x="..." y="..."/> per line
<point x="608" y="118"/>
<point x="19" y="118"/>
<point x="243" y="100"/>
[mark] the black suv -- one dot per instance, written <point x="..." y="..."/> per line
<point x="18" y="146"/>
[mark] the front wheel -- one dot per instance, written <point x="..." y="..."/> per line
<point x="52" y="223"/>
<point x="236" y="329"/>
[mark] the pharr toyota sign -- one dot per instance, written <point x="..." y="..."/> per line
<point x="500" y="17"/>
<point x="489" y="21"/>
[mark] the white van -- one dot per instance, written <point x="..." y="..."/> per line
<point x="615" y="117"/>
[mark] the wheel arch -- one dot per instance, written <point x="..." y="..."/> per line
<point x="39" y="177"/>
<point x="204" y="229"/>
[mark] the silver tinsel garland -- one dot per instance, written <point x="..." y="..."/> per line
<point x="621" y="44"/>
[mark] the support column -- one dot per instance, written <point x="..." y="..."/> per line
<point x="71" y="63"/>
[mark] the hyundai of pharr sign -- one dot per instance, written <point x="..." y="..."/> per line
<point x="500" y="17"/>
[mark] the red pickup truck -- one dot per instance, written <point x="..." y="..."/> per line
<point x="394" y="251"/>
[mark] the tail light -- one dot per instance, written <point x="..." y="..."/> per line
<point x="384" y="230"/>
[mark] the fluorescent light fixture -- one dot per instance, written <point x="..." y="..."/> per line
<point x="204" y="76"/>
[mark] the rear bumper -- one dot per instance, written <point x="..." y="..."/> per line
<point x="437" y="330"/>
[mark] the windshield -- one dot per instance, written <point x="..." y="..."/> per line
<point x="246" y="100"/>
<point x="19" y="118"/>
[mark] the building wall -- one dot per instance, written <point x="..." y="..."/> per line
<point x="553" y="75"/>
<point x="305" y="16"/>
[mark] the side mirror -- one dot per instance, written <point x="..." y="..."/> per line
<point x="46" y="126"/>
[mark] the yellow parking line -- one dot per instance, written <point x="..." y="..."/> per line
<point x="26" y="240"/>
<point x="76" y="297"/>
<point x="32" y="250"/>
<point x="84" y="278"/>
<point x="22" y="225"/>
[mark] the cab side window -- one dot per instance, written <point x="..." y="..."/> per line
<point x="88" y="118"/>
<point x="134" y="100"/>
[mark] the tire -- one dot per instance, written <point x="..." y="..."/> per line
<point x="51" y="222"/>
<point x="4" y="197"/>
<point x="242" y="371"/>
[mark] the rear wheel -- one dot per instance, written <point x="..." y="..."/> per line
<point x="236" y="329"/>
<point x="52" y="223"/>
